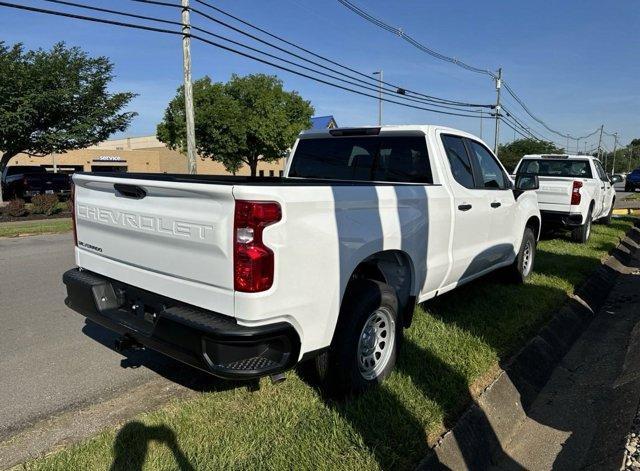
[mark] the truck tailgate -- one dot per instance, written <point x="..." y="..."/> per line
<point x="554" y="193"/>
<point x="181" y="232"/>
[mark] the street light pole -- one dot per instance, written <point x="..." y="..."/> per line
<point x="379" y="73"/>
<point x="188" y="89"/>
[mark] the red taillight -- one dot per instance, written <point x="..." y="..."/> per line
<point x="73" y="213"/>
<point x="575" y="192"/>
<point x="253" y="261"/>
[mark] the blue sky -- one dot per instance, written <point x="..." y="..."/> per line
<point x="575" y="63"/>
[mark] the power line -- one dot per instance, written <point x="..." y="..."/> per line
<point x="399" y="32"/>
<point x="318" y="56"/>
<point x="220" y="46"/>
<point x="237" y="43"/>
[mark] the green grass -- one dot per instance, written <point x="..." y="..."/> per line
<point x="452" y="350"/>
<point x="42" y="226"/>
<point x="632" y="197"/>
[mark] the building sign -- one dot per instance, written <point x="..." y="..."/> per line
<point x="109" y="158"/>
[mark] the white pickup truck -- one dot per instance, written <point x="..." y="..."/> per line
<point x="574" y="191"/>
<point x="245" y="277"/>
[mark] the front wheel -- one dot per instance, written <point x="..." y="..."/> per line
<point x="522" y="266"/>
<point x="581" y="234"/>
<point x="365" y="345"/>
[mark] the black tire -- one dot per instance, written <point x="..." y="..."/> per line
<point x="629" y="188"/>
<point x="607" y="219"/>
<point x="581" y="234"/>
<point x="339" y="369"/>
<point x="522" y="266"/>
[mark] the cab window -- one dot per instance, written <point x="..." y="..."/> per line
<point x="492" y="175"/>
<point x="459" y="160"/>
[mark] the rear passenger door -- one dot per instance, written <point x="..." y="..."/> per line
<point x="472" y="213"/>
<point x="494" y="184"/>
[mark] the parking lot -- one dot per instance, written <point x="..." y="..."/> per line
<point x="50" y="360"/>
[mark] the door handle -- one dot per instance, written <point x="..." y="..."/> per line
<point x="464" y="207"/>
<point x="496" y="204"/>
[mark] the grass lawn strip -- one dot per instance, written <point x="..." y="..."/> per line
<point x="43" y="226"/>
<point x="452" y="348"/>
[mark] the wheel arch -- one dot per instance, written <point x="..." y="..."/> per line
<point x="396" y="269"/>
<point x="535" y="223"/>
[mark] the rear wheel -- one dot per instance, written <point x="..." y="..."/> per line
<point x="365" y="344"/>
<point x="581" y="234"/>
<point x="522" y="266"/>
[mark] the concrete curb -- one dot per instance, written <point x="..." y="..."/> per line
<point x="490" y="422"/>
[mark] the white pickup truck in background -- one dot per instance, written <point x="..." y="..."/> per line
<point x="574" y="191"/>
<point x="245" y="277"/>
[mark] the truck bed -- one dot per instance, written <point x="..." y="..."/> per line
<point x="242" y="180"/>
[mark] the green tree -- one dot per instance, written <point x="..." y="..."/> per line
<point x="244" y="121"/>
<point x="510" y="154"/>
<point x="56" y="100"/>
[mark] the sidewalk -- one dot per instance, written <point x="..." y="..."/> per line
<point x="581" y="418"/>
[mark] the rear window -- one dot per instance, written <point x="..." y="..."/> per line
<point x="556" y="168"/>
<point x="24" y="169"/>
<point x="363" y="158"/>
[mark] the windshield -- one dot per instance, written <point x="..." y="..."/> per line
<point x="556" y="168"/>
<point x="364" y="158"/>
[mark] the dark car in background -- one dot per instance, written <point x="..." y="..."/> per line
<point x="633" y="181"/>
<point x="23" y="181"/>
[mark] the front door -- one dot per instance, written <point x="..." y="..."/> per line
<point x="472" y="213"/>
<point x="496" y="187"/>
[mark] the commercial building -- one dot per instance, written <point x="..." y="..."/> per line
<point x="144" y="154"/>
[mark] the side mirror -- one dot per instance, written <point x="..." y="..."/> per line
<point x="527" y="182"/>
<point x="615" y="179"/>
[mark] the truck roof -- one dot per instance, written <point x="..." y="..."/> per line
<point x="387" y="128"/>
<point x="559" y="156"/>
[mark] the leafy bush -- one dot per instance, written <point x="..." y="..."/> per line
<point x="15" y="208"/>
<point x="44" y="204"/>
<point x="69" y="205"/>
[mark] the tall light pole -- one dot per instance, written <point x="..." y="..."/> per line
<point x="481" y="119"/>
<point x="497" y="133"/>
<point x="380" y="79"/>
<point x="188" y="89"/>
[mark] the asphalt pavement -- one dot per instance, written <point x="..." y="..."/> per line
<point x="50" y="360"/>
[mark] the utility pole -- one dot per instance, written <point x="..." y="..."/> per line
<point x="578" y="146"/>
<point x="615" y="145"/>
<point x="600" y="143"/>
<point x="379" y="74"/>
<point x="188" y="89"/>
<point x="497" y="133"/>
<point x="481" y="119"/>
<point x="567" y="148"/>
<point x="53" y="161"/>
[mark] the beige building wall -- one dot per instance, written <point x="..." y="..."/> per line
<point x="136" y="154"/>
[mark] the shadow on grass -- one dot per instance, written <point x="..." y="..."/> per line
<point x="132" y="443"/>
<point x="505" y="317"/>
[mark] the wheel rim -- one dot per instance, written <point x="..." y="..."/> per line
<point x="527" y="258"/>
<point x="376" y="343"/>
